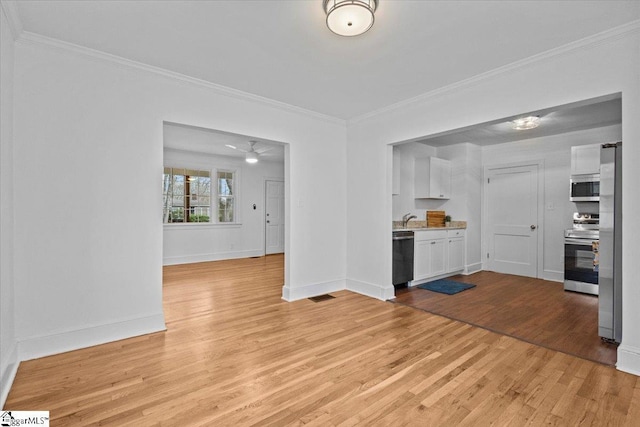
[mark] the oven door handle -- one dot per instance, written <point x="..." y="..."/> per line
<point x="584" y="242"/>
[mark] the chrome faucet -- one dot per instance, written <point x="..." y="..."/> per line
<point x="406" y="218"/>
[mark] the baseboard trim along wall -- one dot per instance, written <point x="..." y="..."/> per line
<point x="472" y="268"/>
<point x="553" y="276"/>
<point x="628" y="359"/>
<point x="47" y="345"/>
<point x="8" y="373"/>
<point x="297" y="293"/>
<point x="219" y="256"/>
<point x="371" y="290"/>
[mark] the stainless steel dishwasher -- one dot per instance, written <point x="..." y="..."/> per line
<point x="402" y="257"/>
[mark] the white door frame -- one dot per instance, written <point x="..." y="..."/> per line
<point x="264" y="212"/>
<point x="541" y="203"/>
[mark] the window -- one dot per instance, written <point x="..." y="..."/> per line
<point x="226" y="196"/>
<point x="186" y="195"/>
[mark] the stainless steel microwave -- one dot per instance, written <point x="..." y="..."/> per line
<point x="585" y="188"/>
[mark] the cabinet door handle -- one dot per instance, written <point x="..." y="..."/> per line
<point x="433" y="243"/>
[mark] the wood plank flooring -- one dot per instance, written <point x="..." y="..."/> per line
<point x="534" y="310"/>
<point x="235" y="354"/>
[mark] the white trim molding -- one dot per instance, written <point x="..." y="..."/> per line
<point x="218" y="256"/>
<point x="472" y="268"/>
<point x="371" y="290"/>
<point x="628" y="359"/>
<point x="10" y="10"/>
<point x="47" y="345"/>
<point x="606" y="36"/>
<point x="301" y="292"/>
<point x="8" y="373"/>
<point x="553" y="276"/>
<point x="29" y="38"/>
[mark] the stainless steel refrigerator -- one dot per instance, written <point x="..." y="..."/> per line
<point x="610" y="247"/>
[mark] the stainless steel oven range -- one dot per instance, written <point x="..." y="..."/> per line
<point x="581" y="260"/>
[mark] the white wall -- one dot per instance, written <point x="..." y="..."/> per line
<point x="184" y="243"/>
<point x="89" y="147"/>
<point x="404" y="202"/>
<point x="607" y="63"/>
<point x="555" y="152"/>
<point x="8" y="348"/>
<point x="465" y="202"/>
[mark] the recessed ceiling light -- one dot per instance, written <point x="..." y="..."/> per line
<point x="350" y="17"/>
<point x="525" y="123"/>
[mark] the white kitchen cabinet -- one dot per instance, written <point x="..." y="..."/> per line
<point x="437" y="253"/>
<point x="397" y="166"/>
<point x="585" y="159"/>
<point x="455" y="250"/>
<point x="432" y="178"/>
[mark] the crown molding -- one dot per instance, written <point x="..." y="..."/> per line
<point x="10" y="10"/>
<point x="29" y="38"/>
<point x="569" y="48"/>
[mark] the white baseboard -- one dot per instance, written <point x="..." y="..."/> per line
<point x="218" y="256"/>
<point x="8" y="372"/>
<point x="47" y="345"/>
<point x="553" y="276"/>
<point x="371" y="290"/>
<point x="472" y="268"/>
<point x="313" y="290"/>
<point x="628" y="359"/>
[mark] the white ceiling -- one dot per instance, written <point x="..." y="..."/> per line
<point x="553" y="121"/>
<point x="207" y="141"/>
<point x="282" y="50"/>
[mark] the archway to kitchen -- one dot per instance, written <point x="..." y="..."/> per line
<point x="536" y="309"/>
<point x="216" y="194"/>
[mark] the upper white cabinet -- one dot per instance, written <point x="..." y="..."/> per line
<point x="397" y="165"/>
<point x="432" y="178"/>
<point x="585" y="159"/>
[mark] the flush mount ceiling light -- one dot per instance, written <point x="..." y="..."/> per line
<point x="350" y="17"/>
<point x="525" y="123"/>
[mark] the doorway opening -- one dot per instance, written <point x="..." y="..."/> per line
<point x="510" y="190"/>
<point x="214" y="202"/>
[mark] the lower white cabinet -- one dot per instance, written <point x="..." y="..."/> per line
<point x="437" y="252"/>
<point x="455" y="258"/>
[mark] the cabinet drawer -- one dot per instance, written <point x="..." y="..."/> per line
<point x="455" y="233"/>
<point x="430" y="235"/>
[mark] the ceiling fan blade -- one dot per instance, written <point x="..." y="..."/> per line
<point x="263" y="150"/>
<point x="233" y="147"/>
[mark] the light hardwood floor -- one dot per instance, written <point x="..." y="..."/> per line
<point x="236" y="354"/>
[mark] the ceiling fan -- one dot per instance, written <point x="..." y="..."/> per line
<point x="252" y="153"/>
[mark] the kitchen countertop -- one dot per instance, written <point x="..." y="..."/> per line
<point x="429" y="228"/>
<point x="422" y="226"/>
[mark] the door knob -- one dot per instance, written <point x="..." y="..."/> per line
<point x="533" y="227"/>
<point x="268" y="222"/>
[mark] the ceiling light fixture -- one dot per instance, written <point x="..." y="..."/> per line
<point x="251" y="157"/>
<point x="350" y="17"/>
<point x="525" y="123"/>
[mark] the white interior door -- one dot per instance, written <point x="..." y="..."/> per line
<point x="511" y="196"/>
<point x="274" y="217"/>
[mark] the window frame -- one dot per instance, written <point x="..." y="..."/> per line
<point x="213" y="194"/>
<point x="234" y="196"/>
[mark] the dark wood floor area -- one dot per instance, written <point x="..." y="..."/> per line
<point x="534" y="310"/>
